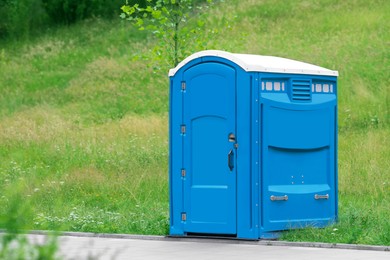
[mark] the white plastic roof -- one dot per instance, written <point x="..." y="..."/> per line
<point x="250" y="62"/>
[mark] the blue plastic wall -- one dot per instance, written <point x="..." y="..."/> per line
<point x="280" y="172"/>
<point x="298" y="151"/>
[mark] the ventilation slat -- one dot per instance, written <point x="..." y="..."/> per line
<point x="305" y="89"/>
<point x="301" y="90"/>
<point x="301" y="98"/>
<point x="297" y="84"/>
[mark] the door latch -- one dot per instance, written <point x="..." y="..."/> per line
<point x="232" y="138"/>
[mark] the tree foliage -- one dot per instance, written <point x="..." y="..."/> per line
<point x="21" y="18"/>
<point x="70" y="11"/>
<point x="169" y="21"/>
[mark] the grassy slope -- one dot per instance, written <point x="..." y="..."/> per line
<point x="83" y="125"/>
<point x="83" y="131"/>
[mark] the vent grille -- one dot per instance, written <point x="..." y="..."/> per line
<point x="301" y="90"/>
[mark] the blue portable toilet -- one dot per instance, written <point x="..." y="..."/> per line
<point x="253" y="145"/>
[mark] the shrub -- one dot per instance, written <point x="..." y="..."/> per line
<point x="22" y="18"/>
<point x="70" y="11"/>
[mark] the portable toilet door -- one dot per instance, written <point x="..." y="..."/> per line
<point x="209" y="125"/>
<point x="207" y="196"/>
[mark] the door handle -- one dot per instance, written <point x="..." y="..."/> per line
<point x="231" y="160"/>
<point x="279" y="198"/>
<point x="321" y="197"/>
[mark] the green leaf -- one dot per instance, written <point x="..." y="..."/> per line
<point x="139" y="22"/>
<point x="165" y="11"/>
<point x="125" y="8"/>
<point x="156" y="14"/>
<point x="149" y="9"/>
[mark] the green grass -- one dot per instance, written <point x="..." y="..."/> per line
<point x="83" y="128"/>
<point x="83" y="116"/>
<point x="105" y="178"/>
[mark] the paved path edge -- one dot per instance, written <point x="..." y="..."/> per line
<point x="219" y="240"/>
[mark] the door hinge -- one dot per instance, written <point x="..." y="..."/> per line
<point x="183" y="85"/>
<point x="183" y="129"/>
<point x="183" y="172"/>
<point x="183" y="216"/>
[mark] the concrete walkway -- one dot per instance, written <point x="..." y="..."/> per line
<point x="78" y="246"/>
